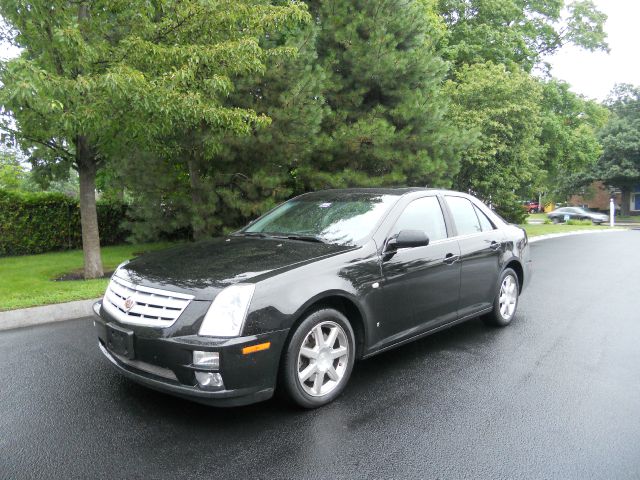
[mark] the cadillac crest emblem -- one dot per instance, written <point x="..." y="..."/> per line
<point x="129" y="303"/>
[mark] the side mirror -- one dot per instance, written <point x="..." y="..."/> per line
<point x="407" y="239"/>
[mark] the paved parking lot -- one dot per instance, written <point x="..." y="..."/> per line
<point x="555" y="395"/>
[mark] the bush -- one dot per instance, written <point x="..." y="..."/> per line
<point x="512" y="212"/>
<point x="42" y="222"/>
<point x="578" y="222"/>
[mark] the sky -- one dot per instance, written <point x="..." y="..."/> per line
<point x="593" y="74"/>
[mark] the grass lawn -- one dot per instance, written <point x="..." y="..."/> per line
<point x="27" y="281"/>
<point x="537" y="216"/>
<point x="542" y="229"/>
<point x="630" y="219"/>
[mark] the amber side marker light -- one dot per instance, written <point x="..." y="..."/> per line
<point x="256" y="348"/>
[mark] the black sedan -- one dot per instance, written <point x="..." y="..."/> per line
<point x="296" y="297"/>
<point x="576" y="213"/>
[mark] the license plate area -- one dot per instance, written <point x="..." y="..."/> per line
<point x="120" y="341"/>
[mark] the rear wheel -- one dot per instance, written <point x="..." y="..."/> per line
<point x="506" y="301"/>
<point x="319" y="358"/>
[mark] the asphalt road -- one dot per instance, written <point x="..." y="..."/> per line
<point x="555" y="395"/>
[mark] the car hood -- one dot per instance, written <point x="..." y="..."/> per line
<point x="202" y="269"/>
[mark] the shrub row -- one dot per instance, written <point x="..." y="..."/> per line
<point x="44" y="222"/>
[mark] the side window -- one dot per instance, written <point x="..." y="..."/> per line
<point x="423" y="214"/>
<point x="464" y="215"/>
<point x="485" y="223"/>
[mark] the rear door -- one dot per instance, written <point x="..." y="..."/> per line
<point x="420" y="285"/>
<point x="481" y="248"/>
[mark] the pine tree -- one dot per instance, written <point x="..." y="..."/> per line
<point x="385" y="123"/>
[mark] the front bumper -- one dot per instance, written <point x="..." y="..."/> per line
<point x="165" y="363"/>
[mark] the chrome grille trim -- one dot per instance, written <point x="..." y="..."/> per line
<point x="152" y="307"/>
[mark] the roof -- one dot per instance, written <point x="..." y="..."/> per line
<point x="339" y="192"/>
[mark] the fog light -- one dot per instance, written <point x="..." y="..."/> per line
<point x="209" y="379"/>
<point x="206" y="359"/>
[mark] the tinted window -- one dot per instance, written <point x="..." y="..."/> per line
<point x="423" y="214"/>
<point x="343" y="219"/>
<point x="464" y="215"/>
<point x="485" y="223"/>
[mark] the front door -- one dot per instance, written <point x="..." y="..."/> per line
<point x="420" y="286"/>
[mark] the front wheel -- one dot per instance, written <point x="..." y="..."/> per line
<point x="319" y="358"/>
<point x="506" y="301"/>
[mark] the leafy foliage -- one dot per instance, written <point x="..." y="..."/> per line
<point x="386" y="122"/>
<point x="245" y="174"/>
<point x="96" y="79"/>
<point x="203" y="114"/>
<point x="12" y="174"/>
<point x="502" y="108"/>
<point x="569" y="137"/>
<point x="619" y="165"/>
<point x="517" y="32"/>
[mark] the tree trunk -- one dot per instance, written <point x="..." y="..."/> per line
<point x="87" y="169"/>
<point x="626" y="201"/>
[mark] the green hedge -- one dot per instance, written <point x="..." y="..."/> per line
<point x="43" y="222"/>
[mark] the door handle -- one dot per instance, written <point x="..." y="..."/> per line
<point x="450" y="258"/>
<point x="495" y="245"/>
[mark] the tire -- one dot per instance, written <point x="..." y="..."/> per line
<point x="555" y="220"/>
<point x="302" y="356"/>
<point x="532" y="210"/>
<point x="507" y="294"/>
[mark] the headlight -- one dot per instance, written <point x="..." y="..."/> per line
<point x="226" y="314"/>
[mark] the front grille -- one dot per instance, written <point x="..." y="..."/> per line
<point x="147" y="306"/>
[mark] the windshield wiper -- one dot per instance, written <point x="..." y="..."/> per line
<point x="283" y="236"/>
<point x="251" y="234"/>
<point x="305" y="238"/>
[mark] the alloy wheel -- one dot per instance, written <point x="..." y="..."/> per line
<point x="323" y="359"/>
<point x="508" y="297"/>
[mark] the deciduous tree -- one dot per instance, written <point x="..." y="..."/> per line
<point x="619" y="164"/>
<point x="95" y="76"/>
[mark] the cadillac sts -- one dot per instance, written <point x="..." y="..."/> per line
<point x="294" y="299"/>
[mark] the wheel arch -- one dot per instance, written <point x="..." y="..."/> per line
<point x="516" y="266"/>
<point x="341" y="302"/>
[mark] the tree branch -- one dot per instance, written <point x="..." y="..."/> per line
<point x="46" y="143"/>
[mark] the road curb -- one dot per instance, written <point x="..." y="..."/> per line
<point x="59" y="312"/>
<point x="549" y="236"/>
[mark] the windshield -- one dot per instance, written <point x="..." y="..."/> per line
<point x="343" y="219"/>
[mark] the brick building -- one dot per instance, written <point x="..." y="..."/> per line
<point x="596" y="197"/>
